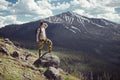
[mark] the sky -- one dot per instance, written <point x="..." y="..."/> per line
<point x="23" y="11"/>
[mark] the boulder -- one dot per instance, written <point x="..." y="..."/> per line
<point x="0" y="60"/>
<point x="48" y="60"/>
<point x="3" y="51"/>
<point x="52" y="74"/>
<point x="7" y="41"/>
<point x="15" y="54"/>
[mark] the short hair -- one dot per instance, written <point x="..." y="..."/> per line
<point x="41" y="23"/>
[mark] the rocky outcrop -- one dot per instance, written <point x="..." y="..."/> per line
<point x="51" y="62"/>
<point x="15" y="54"/>
<point x="48" y="60"/>
<point x="7" y="41"/>
<point x="3" y="50"/>
<point x="53" y="73"/>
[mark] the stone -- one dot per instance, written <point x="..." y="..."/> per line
<point x="52" y="74"/>
<point x="0" y="60"/>
<point x="6" y="40"/>
<point x="3" y="51"/>
<point x="48" y="60"/>
<point x="15" y="54"/>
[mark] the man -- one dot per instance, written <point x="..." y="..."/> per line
<point x="42" y="39"/>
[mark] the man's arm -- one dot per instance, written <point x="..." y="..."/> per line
<point x="37" y="35"/>
<point x="46" y="25"/>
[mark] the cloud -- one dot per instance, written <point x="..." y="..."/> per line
<point x="22" y="11"/>
<point x="8" y="20"/>
<point x="115" y="3"/>
<point x="97" y="9"/>
<point x="3" y="5"/>
<point x="79" y="11"/>
<point x="30" y="10"/>
<point x="52" y="6"/>
<point x="61" y="6"/>
<point x="23" y="7"/>
<point x="110" y="16"/>
<point x="80" y="3"/>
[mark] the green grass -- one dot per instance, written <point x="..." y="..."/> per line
<point x="77" y="63"/>
<point x="12" y="69"/>
<point x="16" y="69"/>
<point x="69" y="77"/>
<point x="72" y="62"/>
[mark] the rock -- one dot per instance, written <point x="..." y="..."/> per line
<point x="48" y="60"/>
<point x="52" y="74"/>
<point x="27" y="76"/>
<point x="15" y="54"/>
<point x="6" y="40"/>
<point x="1" y="76"/>
<point x="0" y="60"/>
<point x="3" y="51"/>
<point x="28" y="55"/>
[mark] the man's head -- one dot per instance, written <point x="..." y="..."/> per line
<point x="43" y="24"/>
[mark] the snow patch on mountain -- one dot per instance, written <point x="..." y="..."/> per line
<point x="72" y="30"/>
<point x="73" y="27"/>
<point x="98" y="25"/>
<point x="82" y="19"/>
<point x="67" y="18"/>
<point x="54" y="20"/>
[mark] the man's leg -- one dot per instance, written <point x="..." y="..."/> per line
<point x="40" y="48"/>
<point x="49" y="44"/>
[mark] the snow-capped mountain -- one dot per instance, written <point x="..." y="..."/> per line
<point x="72" y="31"/>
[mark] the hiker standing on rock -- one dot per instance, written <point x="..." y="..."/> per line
<point x="42" y="39"/>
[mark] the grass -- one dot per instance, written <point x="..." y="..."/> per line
<point x="12" y="69"/>
<point x="73" y="62"/>
<point x="79" y="64"/>
<point x="16" y="69"/>
<point x="69" y="77"/>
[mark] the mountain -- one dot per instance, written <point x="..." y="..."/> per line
<point x="72" y="31"/>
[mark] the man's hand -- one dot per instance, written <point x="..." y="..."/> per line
<point x="45" y="25"/>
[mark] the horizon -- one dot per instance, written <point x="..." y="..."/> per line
<point x="11" y="11"/>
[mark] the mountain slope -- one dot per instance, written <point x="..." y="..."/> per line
<point x="13" y="64"/>
<point x="17" y="64"/>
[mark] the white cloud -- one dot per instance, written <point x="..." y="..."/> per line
<point x="7" y="20"/>
<point x="115" y="3"/>
<point x="23" y="7"/>
<point x="110" y="16"/>
<point x="97" y="8"/>
<point x="44" y="4"/>
<point x="80" y="3"/>
<point x="48" y="5"/>
<point x="30" y="10"/>
<point x="3" y="5"/>
<point x="79" y="11"/>
<point x="61" y="6"/>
